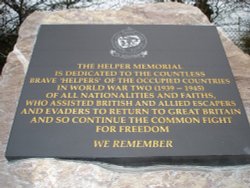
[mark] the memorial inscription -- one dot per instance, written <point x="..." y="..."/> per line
<point x="137" y="94"/>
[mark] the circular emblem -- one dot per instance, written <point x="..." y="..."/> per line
<point x="129" y="43"/>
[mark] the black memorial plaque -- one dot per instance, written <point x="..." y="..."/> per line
<point x="130" y="94"/>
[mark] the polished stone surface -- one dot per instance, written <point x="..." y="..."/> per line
<point x="62" y="173"/>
